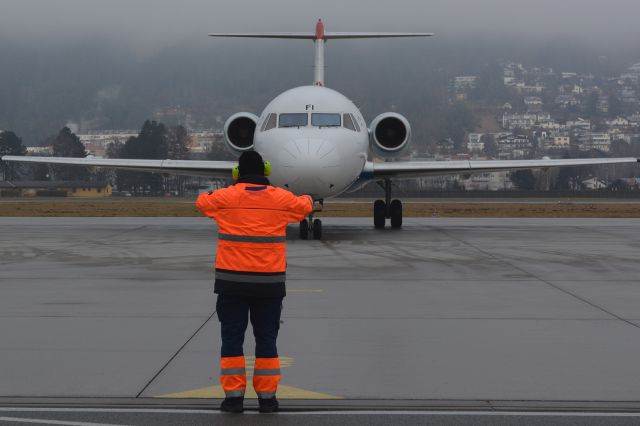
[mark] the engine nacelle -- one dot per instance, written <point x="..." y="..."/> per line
<point x="389" y="134"/>
<point x="239" y="130"/>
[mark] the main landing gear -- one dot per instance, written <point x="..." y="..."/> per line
<point x="387" y="209"/>
<point x="311" y="226"/>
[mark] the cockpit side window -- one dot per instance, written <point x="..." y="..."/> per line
<point x="293" y="120"/>
<point x="348" y="122"/>
<point x="270" y="122"/>
<point x="355" y="122"/>
<point x="325" y="120"/>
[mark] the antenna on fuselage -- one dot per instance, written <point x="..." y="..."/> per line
<point x="319" y="37"/>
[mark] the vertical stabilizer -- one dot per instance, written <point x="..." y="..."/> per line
<point x="318" y="65"/>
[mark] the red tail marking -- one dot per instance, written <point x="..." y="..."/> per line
<point x="320" y="30"/>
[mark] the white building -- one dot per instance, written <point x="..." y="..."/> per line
<point x="533" y="102"/>
<point x="563" y="141"/>
<point x="525" y="121"/>
<point x="475" y="143"/>
<point x="41" y="151"/>
<point x="600" y="141"/>
<point x="513" y="147"/>
<point x="550" y="126"/>
<point x="537" y="88"/>
<point x="466" y="82"/>
<point x="618" y="122"/>
<point x="202" y="141"/>
<point x="96" y="143"/>
<point x="495" y="181"/>
<point x="565" y="101"/>
<point x="579" y="124"/>
<point x="634" y="120"/>
<point x="594" y="183"/>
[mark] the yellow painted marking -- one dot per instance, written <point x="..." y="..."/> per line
<point x="284" y="392"/>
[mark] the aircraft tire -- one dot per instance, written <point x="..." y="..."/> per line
<point x="379" y="219"/>
<point x="317" y="229"/>
<point x="396" y="214"/>
<point x="304" y="229"/>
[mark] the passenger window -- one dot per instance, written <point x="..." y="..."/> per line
<point x="325" y="120"/>
<point x="270" y="122"/>
<point x="348" y="122"/>
<point x="293" y="120"/>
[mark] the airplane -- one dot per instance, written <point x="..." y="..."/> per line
<point x="318" y="143"/>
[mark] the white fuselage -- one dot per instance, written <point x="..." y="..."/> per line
<point x="320" y="160"/>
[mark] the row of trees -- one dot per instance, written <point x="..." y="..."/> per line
<point x="10" y="144"/>
<point x="65" y="144"/>
<point x="155" y="141"/>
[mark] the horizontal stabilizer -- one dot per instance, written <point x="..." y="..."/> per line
<point x="319" y="37"/>
<point x="301" y="36"/>
<point x="337" y="36"/>
<point x="327" y="35"/>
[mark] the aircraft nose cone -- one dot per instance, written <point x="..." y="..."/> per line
<point x="309" y="165"/>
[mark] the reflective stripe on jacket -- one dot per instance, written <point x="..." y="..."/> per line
<point x="252" y="221"/>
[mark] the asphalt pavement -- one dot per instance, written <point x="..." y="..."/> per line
<point x="470" y="315"/>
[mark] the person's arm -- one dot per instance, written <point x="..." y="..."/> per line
<point x="209" y="203"/>
<point x="297" y="208"/>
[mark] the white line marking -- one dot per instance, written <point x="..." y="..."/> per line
<point x="468" y="413"/>
<point x="214" y="411"/>
<point x="52" y="422"/>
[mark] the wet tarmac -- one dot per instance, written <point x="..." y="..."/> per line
<point x="445" y="313"/>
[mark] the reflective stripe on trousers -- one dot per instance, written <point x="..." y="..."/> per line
<point x="266" y="376"/>
<point x="233" y="376"/>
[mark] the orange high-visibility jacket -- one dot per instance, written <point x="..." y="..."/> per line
<point x="252" y="221"/>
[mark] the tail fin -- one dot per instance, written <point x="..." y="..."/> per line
<point x="319" y="37"/>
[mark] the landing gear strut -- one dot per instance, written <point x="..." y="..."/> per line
<point x="387" y="209"/>
<point x="313" y="225"/>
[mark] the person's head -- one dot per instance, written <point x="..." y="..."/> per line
<point x="250" y="163"/>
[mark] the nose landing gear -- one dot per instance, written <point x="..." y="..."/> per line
<point x="304" y="229"/>
<point x="313" y="225"/>
<point x="387" y="209"/>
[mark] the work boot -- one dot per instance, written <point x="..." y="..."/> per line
<point x="268" y="405"/>
<point x="232" y="405"/>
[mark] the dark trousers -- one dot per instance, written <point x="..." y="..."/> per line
<point x="234" y="313"/>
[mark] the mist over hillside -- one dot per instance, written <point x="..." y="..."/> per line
<point x="99" y="84"/>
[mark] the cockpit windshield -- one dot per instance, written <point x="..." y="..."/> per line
<point x="325" y="120"/>
<point x="293" y="120"/>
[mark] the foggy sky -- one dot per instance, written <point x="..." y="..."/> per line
<point x="146" y="23"/>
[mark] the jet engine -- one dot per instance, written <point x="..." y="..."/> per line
<point x="389" y="134"/>
<point x="239" y="130"/>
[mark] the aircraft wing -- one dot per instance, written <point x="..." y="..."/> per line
<point x="411" y="169"/>
<point x="219" y="169"/>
